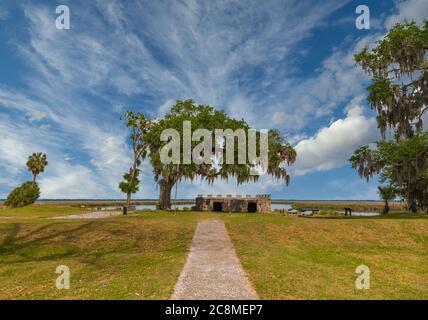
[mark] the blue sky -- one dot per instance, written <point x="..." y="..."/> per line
<point x="282" y="64"/>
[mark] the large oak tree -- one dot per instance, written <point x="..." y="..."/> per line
<point x="207" y="117"/>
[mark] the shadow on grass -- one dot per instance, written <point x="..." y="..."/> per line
<point x="15" y="248"/>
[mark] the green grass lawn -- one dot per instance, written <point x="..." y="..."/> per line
<point x="116" y="258"/>
<point x="37" y="211"/>
<point x="306" y="258"/>
<point x="141" y="256"/>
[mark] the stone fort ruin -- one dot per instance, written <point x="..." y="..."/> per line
<point x="259" y="203"/>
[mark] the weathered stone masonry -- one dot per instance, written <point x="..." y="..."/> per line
<point x="259" y="203"/>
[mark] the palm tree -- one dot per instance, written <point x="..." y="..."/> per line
<point x="386" y="193"/>
<point x="36" y="164"/>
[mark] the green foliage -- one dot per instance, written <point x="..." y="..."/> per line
<point x="366" y="161"/>
<point x="23" y="196"/>
<point x="130" y="184"/>
<point x="399" y="67"/>
<point x="386" y="193"/>
<point x="36" y="164"/>
<point x="207" y="117"/>
<point x="138" y="125"/>
<point x="402" y="164"/>
<point x="399" y="95"/>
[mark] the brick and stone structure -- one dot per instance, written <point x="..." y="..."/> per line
<point x="259" y="203"/>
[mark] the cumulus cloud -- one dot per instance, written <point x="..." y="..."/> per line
<point x="333" y="145"/>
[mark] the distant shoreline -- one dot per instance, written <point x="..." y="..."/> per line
<point x="189" y="200"/>
<point x="328" y="205"/>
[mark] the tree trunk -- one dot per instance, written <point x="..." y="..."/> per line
<point x="411" y="205"/>
<point x="34" y="179"/>
<point x="128" y="199"/>
<point x="165" y="194"/>
<point x="386" y="208"/>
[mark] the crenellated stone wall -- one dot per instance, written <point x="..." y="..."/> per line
<point x="259" y="203"/>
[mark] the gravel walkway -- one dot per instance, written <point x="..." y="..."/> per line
<point x="212" y="270"/>
<point x="92" y="215"/>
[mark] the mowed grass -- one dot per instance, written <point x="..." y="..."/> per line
<point x="364" y="206"/>
<point x="141" y="256"/>
<point x="137" y="257"/>
<point x="306" y="258"/>
<point x="38" y="211"/>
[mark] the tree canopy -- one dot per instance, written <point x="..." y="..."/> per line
<point x="209" y="118"/>
<point x="399" y="95"/>
<point x="36" y="164"/>
<point x="399" y="69"/>
<point x="138" y="125"/>
<point x="130" y="184"/>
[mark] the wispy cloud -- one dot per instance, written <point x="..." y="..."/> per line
<point x="3" y="12"/>
<point x="406" y="11"/>
<point x="244" y="57"/>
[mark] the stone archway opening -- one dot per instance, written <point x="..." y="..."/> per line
<point x="217" y="206"/>
<point x="252" y="207"/>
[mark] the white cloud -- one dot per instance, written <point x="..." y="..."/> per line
<point x="3" y="12"/>
<point x="19" y="141"/>
<point x="336" y="82"/>
<point x="35" y="110"/>
<point x="206" y="54"/>
<point x="294" y="139"/>
<point x="332" y="146"/>
<point x="109" y="155"/>
<point x="240" y="107"/>
<point x="279" y="117"/>
<point x="165" y="107"/>
<point x="14" y="152"/>
<point x="71" y="182"/>
<point x="36" y="115"/>
<point x="110" y="59"/>
<point x="408" y="10"/>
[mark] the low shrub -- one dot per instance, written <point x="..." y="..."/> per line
<point x="23" y="195"/>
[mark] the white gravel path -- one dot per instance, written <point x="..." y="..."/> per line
<point x="92" y="215"/>
<point x="212" y="270"/>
